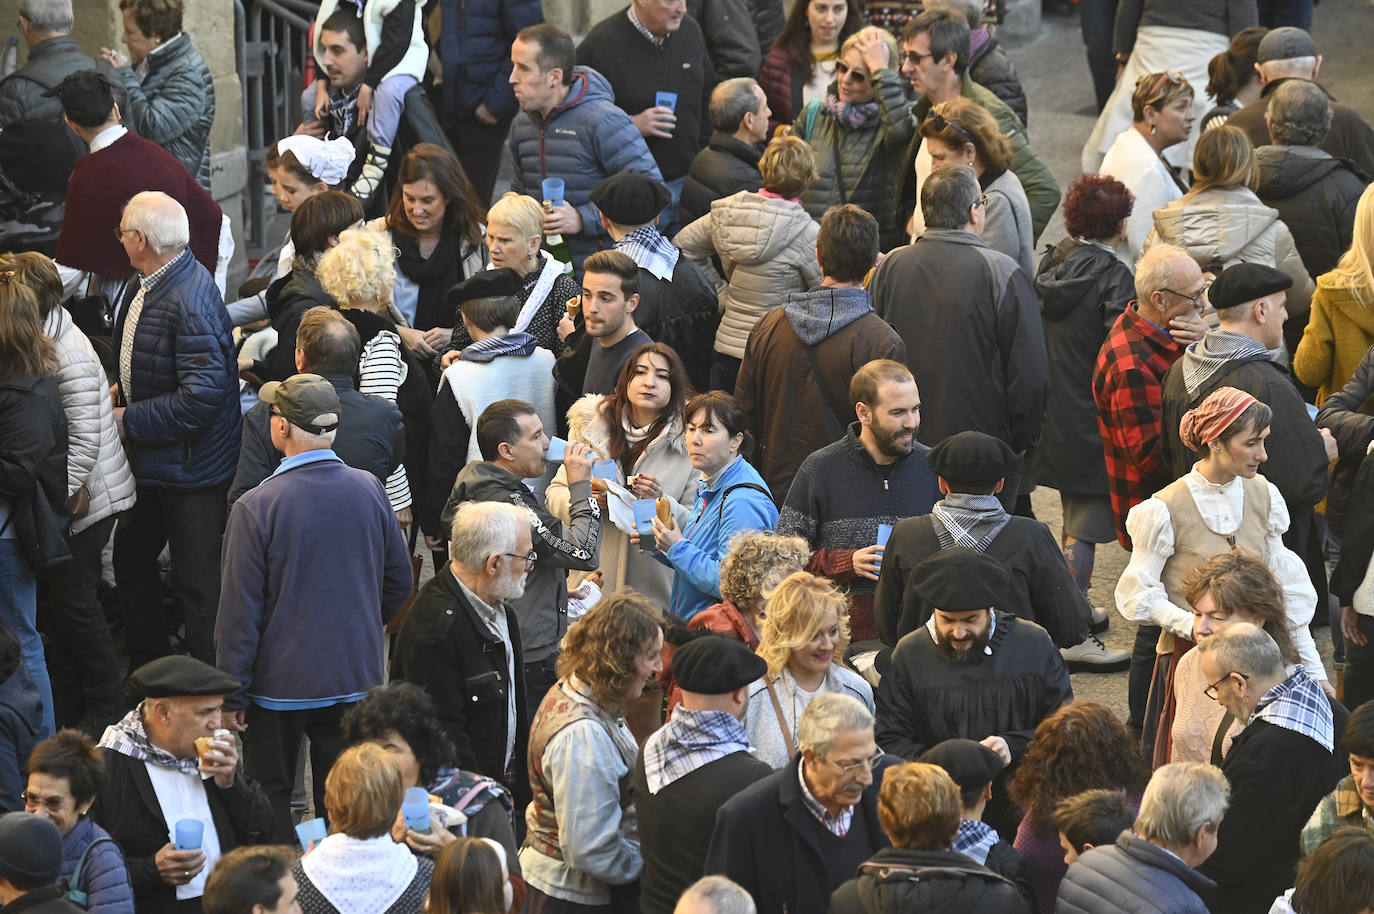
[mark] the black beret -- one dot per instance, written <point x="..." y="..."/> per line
<point x="1245" y="282"/>
<point x="960" y="580"/>
<point x="969" y="764"/>
<point x="486" y="284"/>
<point x="715" y="664"/>
<point x="630" y="198"/>
<point x="30" y="850"/>
<point x="971" y="459"/>
<point x="38" y="155"/>
<point x="178" y="675"/>
<point x="87" y="97"/>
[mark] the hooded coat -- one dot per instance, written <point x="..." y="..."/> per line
<point x="1082" y="288"/>
<point x="1315" y="195"/>
<point x="767" y="248"/>
<point x="1339" y="332"/>
<point x="811" y="346"/>
<point x="898" y="880"/>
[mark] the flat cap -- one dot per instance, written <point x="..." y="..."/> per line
<point x="960" y="580"/>
<point x="715" y="664"/>
<point x="38" y="155"/>
<point x="969" y="764"/>
<point x="87" y="97"/>
<point x="971" y="459"/>
<point x="30" y="850"/>
<point x="178" y="675"/>
<point x="630" y="198"/>
<point x="1246" y="282"/>
<point x="486" y="284"/>
<point x="1285" y="43"/>
<point x="307" y="401"/>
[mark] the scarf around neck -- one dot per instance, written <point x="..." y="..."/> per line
<point x="972" y="521"/>
<point x="360" y="875"/>
<point x="493" y="347"/>
<point x="1209" y="355"/>
<point x="433" y="275"/>
<point x="127" y="736"/>
<point x="847" y="115"/>
<point x="1300" y="705"/>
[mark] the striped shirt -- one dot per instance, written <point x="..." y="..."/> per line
<point x="381" y="369"/>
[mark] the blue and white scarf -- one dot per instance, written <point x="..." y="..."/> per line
<point x="689" y="740"/>
<point x="493" y="347"/>
<point x="647" y="247"/>
<point x="128" y="737"/>
<point x="971" y="521"/>
<point x="975" y="839"/>
<point x="1300" y="705"/>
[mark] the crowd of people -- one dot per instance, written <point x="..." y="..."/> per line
<point x="656" y="535"/>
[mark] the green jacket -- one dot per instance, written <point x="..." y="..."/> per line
<point x="870" y="157"/>
<point x="1042" y="191"/>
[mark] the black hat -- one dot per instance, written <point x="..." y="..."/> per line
<point x="38" y="155"/>
<point x="969" y="764"/>
<point x="1285" y="43"/>
<point x="630" y="198"/>
<point x="1245" y="282"/>
<point x="30" y="850"/>
<point x="178" y="675"/>
<point x="714" y="665"/>
<point x="307" y="401"/>
<point x="87" y="97"/>
<point x="971" y="459"/>
<point x="960" y="580"/>
<point x="486" y="284"/>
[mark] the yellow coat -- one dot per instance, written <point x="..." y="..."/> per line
<point x="1339" y="333"/>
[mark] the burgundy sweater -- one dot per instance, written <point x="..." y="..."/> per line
<point x="104" y="181"/>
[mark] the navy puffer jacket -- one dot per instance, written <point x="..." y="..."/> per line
<point x="583" y="140"/>
<point x="475" y="50"/>
<point x="104" y="877"/>
<point x="182" y="424"/>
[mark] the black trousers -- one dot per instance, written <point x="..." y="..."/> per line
<point x="1359" y="665"/>
<point x="1097" y="18"/>
<point x="479" y="148"/>
<point x="540" y="675"/>
<point x="191" y="523"/>
<point x="1142" y="670"/>
<point x="81" y="658"/>
<point x="271" y="746"/>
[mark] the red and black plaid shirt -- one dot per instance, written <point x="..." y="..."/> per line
<point x="1127" y="387"/>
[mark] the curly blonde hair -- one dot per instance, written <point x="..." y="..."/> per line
<point x="360" y="269"/>
<point x="757" y="562"/>
<point x="799" y="607"/>
<point x="602" y="647"/>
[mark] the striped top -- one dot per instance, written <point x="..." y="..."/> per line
<point x="380" y="373"/>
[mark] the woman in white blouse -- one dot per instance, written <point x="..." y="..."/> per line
<point x="1221" y="505"/>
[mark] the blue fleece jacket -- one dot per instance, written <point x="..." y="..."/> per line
<point x="314" y="566"/>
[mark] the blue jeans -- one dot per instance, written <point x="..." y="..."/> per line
<point x="19" y="607"/>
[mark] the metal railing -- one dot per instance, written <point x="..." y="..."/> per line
<point x="273" y="43"/>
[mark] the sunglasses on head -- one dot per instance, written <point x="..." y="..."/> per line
<point x="940" y="123"/>
<point x="1161" y="80"/>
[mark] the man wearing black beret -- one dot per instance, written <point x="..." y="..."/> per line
<point x="1250" y="302"/>
<point x="972" y="469"/>
<point x="693" y="764"/>
<point x="677" y="303"/>
<point x="972" y="671"/>
<point x="167" y="761"/>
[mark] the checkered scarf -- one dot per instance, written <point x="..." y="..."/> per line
<point x="128" y="737"/>
<point x="1300" y="705"/>
<point x="971" y="521"/>
<point x="1214" y="352"/>
<point x="647" y="247"/>
<point x="975" y="839"/>
<point x="689" y="740"/>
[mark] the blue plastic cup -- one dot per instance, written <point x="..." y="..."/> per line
<point x="415" y="809"/>
<point x="189" y="833"/>
<point x="553" y="190"/>
<point x="666" y="100"/>
<point x="311" y="831"/>
<point x="557" y="448"/>
<point x="884" y="533"/>
<point x="604" y="469"/>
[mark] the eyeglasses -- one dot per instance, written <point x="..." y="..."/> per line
<point x="941" y="124"/>
<point x="1211" y="690"/>
<point x="528" y="558"/>
<point x="913" y="58"/>
<point x="1196" y="299"/>
<point x="51" y="804"/>
<point x="981" y="201"/>
<point x="870" y="763"/>
<point x="845" y="71"/>
<point x="121" y="232"/>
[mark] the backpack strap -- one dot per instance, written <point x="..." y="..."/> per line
<point x="808" y="119"/>
<point x="74" y="894"/>
<point x="720" y="512"/>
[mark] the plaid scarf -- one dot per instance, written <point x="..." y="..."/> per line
<point x="1300" y="705"/>
<point x="689" y="740"/>
<point x="1214" y="352"/>
<point x="975" y="839"/>
<point x="128" y="737"/>
<point x="972" y="521"/>
<point x="493" y="347"/>
<point x="848" y="115"/>
<point x="647" y="247"/>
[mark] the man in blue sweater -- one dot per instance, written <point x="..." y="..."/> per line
<point x="314" y="567"/>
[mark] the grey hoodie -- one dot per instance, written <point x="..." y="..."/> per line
<point x="822" y="312"/>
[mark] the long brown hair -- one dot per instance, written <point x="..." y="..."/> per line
<point x="467" y="880"/>
<point x="23" y="347"/>
<point x="796" y="35"/>
<point x="463" y="212"/>
<point x="1082" y="746"/>
<point x="1238" y="580"/>
<point x="614" y="407"/>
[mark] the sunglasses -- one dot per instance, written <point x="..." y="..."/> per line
<point x="844" y="71"/>
<point x="941" y="124"/>
<point x="1161" y="82"/>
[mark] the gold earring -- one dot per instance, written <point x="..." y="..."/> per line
<point x="1152" y="130"/>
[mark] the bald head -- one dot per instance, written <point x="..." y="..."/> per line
<point x="326" y="343"/>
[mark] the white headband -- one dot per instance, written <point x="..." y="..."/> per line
<point x="327" y="160"/>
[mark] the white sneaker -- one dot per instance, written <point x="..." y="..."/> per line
<point x="1092" y="656"/>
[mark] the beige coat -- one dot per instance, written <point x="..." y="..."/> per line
<point x="767" y="247"/>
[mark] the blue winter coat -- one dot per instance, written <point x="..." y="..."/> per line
<point x="104" y="877"/>
<point x="585" y="139"/>
<point x="474" y="43"/>
<point x="706" y="536"/>
<point x="182" y="424"/>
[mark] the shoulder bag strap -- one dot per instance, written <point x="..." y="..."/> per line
<point x="832" y="402"/>
<point x="1223" y="728"/>
<point x="782" y="721"/>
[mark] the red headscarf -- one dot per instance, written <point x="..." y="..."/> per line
<point x="1212" y="417"/>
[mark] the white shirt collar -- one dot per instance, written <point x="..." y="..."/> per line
<point x="107" y="137"/>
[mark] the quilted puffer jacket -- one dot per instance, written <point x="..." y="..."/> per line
<point x="583" y="140"/>
<point x="104" y="877"/>
<point x="174" y="105"/>
<point x="1222" y="226"/>
<point x="1315" y="195"/>
<point x="993" y="70"/>
<point x="95" y="456"/>
<point x="767" y="247"/>
<point x="868" y="158"/>
<point x="182" y="424"/>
